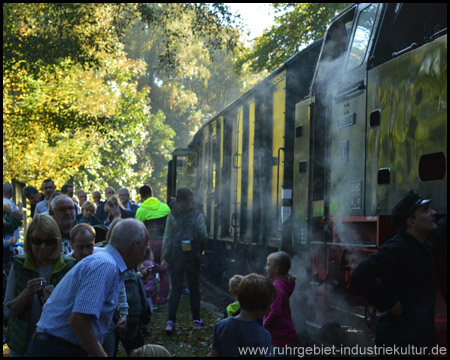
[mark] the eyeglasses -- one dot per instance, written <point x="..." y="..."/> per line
<point x="70" y="208"/>
<point x="38" y="241"/>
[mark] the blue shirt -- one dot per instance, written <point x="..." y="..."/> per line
<point x="90" y="287"/>
<point x="41" y="207"/>
<point x="236" y="336"/>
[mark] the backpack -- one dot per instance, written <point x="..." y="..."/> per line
<point x="185" y="240"/>
<point x="139" y="309"/>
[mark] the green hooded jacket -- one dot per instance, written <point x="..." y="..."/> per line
<point x="151" y="209"/>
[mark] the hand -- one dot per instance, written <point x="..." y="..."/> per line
<point x="12" y="240"/>
<point x="122" y="323"/>
<point x="35" y="285"/>
<point x="397" y="309"/>
<point x="19" y="212"/>
<point x="47" y="292"/>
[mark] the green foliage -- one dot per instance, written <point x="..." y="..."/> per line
<point x="297" y="25"/>
<point x="46" y="33"/>
<point x="99" y="93"/>
<point x="189" y="56"/>
<point x="72" y="109"/>
<point x="78" y="109"/>
<point x="179" y="23"/>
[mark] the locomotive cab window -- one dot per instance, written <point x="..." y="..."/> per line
<point x="362" y="36"/>
<point x="336" y="45"/>
<point x="406" y="24"/>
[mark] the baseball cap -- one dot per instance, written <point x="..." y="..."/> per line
<point x="406" y="206"/>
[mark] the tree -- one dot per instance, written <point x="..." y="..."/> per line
<point x="185" y="45"/>
<point x="297" y="25"/>
<point x="77" y="108"/>
<point x="70" y="97"/>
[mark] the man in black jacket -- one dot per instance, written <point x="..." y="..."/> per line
<point x="406" y="292"/>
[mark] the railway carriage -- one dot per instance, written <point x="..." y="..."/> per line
<point x="313" y="158"/>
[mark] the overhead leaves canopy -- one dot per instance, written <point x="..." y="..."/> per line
<point x="296" y="25"/>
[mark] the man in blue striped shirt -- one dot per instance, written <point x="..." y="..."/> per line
<point x="76" y="316"/>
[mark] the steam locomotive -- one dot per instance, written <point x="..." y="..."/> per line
<point x="313" y="158"/>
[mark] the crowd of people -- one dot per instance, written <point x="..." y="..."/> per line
<point x="108" y="297"/>
<point x="87" y="276"/>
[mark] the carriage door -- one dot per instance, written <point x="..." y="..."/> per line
<point x="236" y="175"/>
<point x="210" y="176"/>
<point x="347" y="115"/>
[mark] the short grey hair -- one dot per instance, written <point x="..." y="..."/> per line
<point x="126" y="232"/>
<point x="8" y="188"/>
<point x="7" y="207"/>
<point x="57" y="198"/>
<point x="125" y="189"/>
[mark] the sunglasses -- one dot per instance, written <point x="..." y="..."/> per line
<point x="39" y="241"/>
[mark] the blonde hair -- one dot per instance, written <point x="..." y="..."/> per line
<point x="283" y="261"/>
<point x="150" y="350"/>
<point x="112" y="202"/>
<point x="48" y="225"/>
<point x="234" y="284"/>
<point x="88" y="204"/>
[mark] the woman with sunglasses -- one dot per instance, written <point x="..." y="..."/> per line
<point x="42" y="265"/>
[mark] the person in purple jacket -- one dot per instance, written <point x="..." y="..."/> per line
<point x="278" y="320"/>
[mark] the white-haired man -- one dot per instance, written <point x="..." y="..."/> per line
<point x="77" y="314"/>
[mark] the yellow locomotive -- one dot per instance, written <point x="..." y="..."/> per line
<point x="313" y="158"/>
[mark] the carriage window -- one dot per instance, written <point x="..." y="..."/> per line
<point x="362" y="36"/>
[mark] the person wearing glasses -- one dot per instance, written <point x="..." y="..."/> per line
<point x="31" y="279"/>
<point x="62" y="209"/>
<point x="77" y="315"/>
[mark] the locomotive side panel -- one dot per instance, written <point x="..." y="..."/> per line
<point x="347" y="119"/>
<point x="237" y="120"/>
<point x="302" y="160"/>
<point x="407" y="128"/>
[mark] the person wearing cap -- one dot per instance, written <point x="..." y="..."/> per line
<point x="406" y="291"/>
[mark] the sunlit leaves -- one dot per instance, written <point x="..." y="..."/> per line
<point x="296" y="25"/>
<point x="71" y="107"/>
<point x="77" y="108"/>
